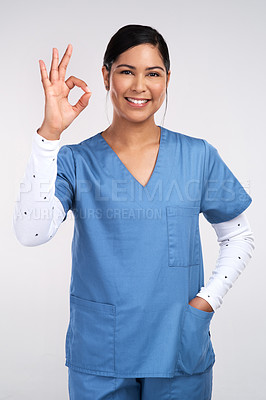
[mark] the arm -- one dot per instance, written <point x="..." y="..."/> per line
<point x="38" y="213"/>
<point x="236" y="241"/>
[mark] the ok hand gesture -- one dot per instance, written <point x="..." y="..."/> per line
<point x="59" y="113"/>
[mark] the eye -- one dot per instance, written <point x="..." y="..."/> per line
<point x="124" y="72"/>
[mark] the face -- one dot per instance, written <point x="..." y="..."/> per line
<point x="138" y="73"/>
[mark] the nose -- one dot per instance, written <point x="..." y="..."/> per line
<point x="138" y="84"/>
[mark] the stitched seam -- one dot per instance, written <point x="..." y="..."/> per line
<point x="203" y="173"/>
<point x="75" y="182"/>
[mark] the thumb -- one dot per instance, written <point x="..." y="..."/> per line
<point x="82" y="103"/>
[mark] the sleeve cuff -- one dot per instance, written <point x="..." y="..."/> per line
<point x="214" y="303"/>
<point x="45" y="147"/>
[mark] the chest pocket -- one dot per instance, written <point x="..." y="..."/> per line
<point x="183" y="236"/>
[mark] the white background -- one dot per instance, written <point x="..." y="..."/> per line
<point x="216" y="91"/>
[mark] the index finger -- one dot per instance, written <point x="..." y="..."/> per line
<point x="45" y="81"/>
<point x="64" y="62"/>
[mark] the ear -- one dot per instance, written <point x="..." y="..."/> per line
<point x="168" y="78"/>
<point x="105" y="73"/>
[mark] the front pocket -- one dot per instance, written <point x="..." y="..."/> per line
<point x="90" y="335"/>
<point x="183" y="236"/>
<point x="196" y="353"/>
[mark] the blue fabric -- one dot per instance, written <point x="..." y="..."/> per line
<point x="86" y="387"/>
<point x="224" y="198"/>
<point x="137" y="257"/>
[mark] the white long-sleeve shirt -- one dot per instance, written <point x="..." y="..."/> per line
<point x="38" y="214"/>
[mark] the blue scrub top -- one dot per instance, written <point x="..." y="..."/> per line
<point x="137" y="258"/>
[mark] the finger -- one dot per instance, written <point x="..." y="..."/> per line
<point x="73" y="81"/>
<point x="45" y="81"/>
<point x="82" y="103"/>
<point x="64" y="62"/>
<point x="53" y="76"/>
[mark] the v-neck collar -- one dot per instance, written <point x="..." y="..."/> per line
<point x="158" y="163"/>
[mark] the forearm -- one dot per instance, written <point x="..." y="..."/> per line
<point x="236" y="241"/>
<point x="38" y="213"/>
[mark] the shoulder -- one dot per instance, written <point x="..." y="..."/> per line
<point x="184" y="139"/>
<point x="85" y="144"/>
<point x="88" y="142"/>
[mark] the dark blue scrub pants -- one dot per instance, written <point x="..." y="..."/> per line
<point x="93" y="387"/>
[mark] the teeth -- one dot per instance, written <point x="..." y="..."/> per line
<point x="136" y="101"/>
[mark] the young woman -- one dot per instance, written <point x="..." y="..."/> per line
<point x="139" y="311"/>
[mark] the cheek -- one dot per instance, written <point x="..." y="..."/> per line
<point x="118" y="87"/>
<point x="116" y="93"/>
<point x="158" y="88"/>
<point x="160" y="93"/>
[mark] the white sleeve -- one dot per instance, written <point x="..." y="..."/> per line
<point x="38" y="212"/>
<point x="236" y="241"/>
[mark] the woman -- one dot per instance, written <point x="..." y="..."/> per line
<point x="139" y="311"/>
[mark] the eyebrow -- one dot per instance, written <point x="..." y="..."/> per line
<point x="131" y="66"/>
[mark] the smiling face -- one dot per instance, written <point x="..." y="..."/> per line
<point x="138" y="73"/>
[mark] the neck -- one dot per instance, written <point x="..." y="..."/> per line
<point x="133" y="134"/>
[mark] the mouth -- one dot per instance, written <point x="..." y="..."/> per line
<point x="136" y="102"/>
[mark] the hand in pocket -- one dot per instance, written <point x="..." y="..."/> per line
<point x="196" y="351"/>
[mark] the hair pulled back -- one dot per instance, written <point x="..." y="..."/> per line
<point x="133" y="35"/>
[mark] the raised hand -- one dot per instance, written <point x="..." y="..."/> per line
<point x="59" y="113"/>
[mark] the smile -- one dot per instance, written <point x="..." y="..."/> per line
<point x="138" y="103"/>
